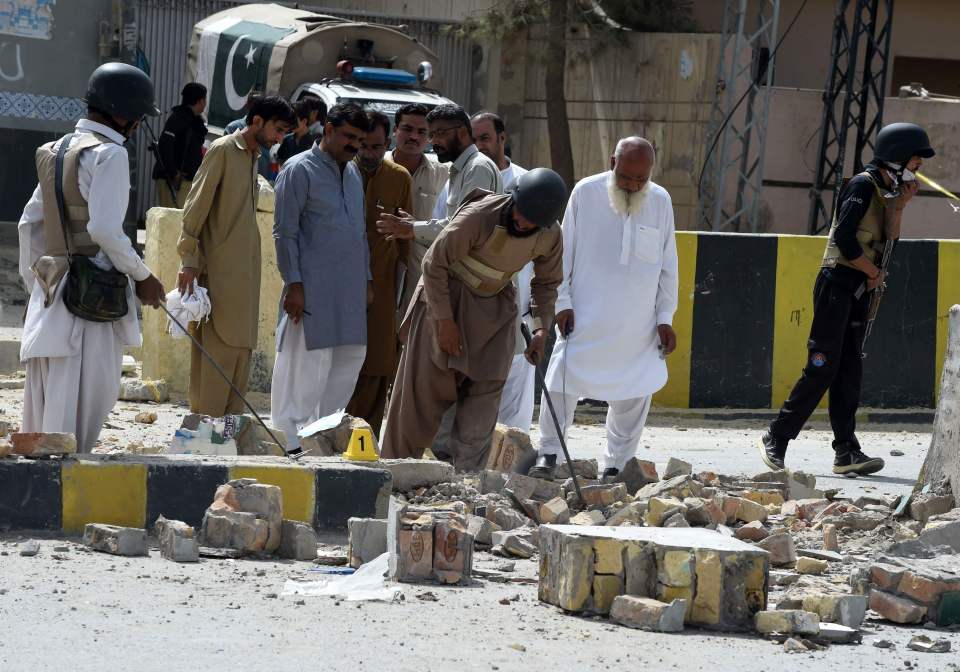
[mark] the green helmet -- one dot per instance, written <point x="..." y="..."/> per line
<point x="540" y="195"/>
<point x="121" y="90"/>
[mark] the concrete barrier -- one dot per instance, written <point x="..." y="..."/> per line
<point x="132" y="491"/>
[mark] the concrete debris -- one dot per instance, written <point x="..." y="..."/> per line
<point x="863" y="521"/>
<point x="896" y="609"/>
<point x="428" y="544"/>
<point x="807" y="565"/>
<point x="678" y="487"/>
<point x="603" y="495"/>
<point x="749" y="511"/>
<point x="177" y="540"/>
<point x="829" y="556"/>
<point x="754" y="531"/>
<point x="482" y="530"/>
<point x="834" y="633"/>
<point x="298" y="541"/>
<point x="587" y="469"/>
<point x="367" y="539"/>
<point x="636" y="474"/>
<point x="412" y="474"/>
<point x="676" y="520"/>
<point x="792" y="645"/>
<point x="924" y="644"/>
<point x="846" y="610"/>
<point x="510" y="448"/>
<point x="586" y="568"/>
<point x="29" y="548"/>
<point x="923" y="506"/>
<point x="588" y="518"/>
<point x="246" y="516"/>
<point x="781" y="548"/>
<point x="134" y="389"/>
<point x="831" y="542"/>
<point x="145" y="417"/>
<point x="322" y="440"/>
<point x="787" y="622"/>
<point x="513" y="544"/>
<point x="659" y="509"/>
<point x="555" y="511"/>
<point x="911" y="590"/>
<point x="629" y="514"/>
<point x="677" y="467"/>
<point x="645" y="613"/>
<point x="129" y="541"/>
<point x="39" y="444"/>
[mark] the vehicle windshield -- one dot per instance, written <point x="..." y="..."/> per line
<point x="388" y="107"/>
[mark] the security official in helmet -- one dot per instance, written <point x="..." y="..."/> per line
<point x="77" y="263"/>
<point x="868" y="214"/>
<point x="459" y="332"/>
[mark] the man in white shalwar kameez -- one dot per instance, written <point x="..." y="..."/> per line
<point x="74" y="365"/>
<point x="615" y="305"/>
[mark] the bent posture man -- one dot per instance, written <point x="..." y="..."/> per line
<point x="73" y="358"/>
<point x="868" y="215"/>
<point x="459" y="333"/>
<point x="619" y="251"/>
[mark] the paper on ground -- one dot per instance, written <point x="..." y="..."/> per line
<point x="367" y="583"/>
<point x="323" y="424"/>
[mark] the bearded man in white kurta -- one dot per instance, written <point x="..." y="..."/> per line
<point x="615" y="305"/>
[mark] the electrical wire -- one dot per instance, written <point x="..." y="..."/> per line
<point x="730" y="114"/>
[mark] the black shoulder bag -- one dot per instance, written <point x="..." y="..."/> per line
<point x="91" y="293"/>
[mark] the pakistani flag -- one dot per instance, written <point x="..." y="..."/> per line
<point x="233" y="60"/>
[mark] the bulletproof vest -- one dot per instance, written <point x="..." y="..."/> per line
<point x="73" y="202"/>
<point x="870" y="232"/>
<point x="488" y="269"/>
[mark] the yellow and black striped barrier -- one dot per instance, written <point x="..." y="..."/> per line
<point x="746" y="303"/>
<point x="133" y="491"/>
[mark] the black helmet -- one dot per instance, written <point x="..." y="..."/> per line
<point x="540" y="195"/>
<point x="121" y="90"/>
<point x="896" y="143"/>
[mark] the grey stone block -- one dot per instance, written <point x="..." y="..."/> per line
<point x="178" y="541"/>
<point x="367" y="539"/>
<point x="298" y="541"/>
<point x="129" y="541"/>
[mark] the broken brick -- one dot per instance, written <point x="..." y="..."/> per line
<point x="645" y="613"/>
<point x="896" y="609"/>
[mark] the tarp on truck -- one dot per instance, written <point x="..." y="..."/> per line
<point x="274" y="49"/>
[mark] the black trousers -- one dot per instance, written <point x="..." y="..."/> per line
<point x="834" y="360"/>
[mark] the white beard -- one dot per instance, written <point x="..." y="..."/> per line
<point x="625" y="203"/>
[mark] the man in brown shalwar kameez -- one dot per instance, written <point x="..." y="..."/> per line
<point x="458" y="333"/>
<point x="387" y="187"/>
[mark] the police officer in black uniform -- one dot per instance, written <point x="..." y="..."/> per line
<point x="868" y="213"/>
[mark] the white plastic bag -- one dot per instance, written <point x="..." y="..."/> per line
<point x="367" y="583"/>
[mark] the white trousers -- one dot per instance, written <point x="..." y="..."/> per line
<point x="75" y="394"/>
<point x="516" y="400"/>
<point x="625" y="421"/>
<point x="310" y="384"/>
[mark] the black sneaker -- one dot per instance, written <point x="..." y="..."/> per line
<point x="545" y="467"/>
<point x="772" y="451"/>
<point x="609" y="475"/>
<point x="850" y="460"/>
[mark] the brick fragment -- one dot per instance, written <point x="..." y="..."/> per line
<point x="592" y="517"/>
<point x="645" y="613"/>
<point x="129" y="541"/>
<point x="831" y="541"/>
<point x="896" y="609"/>
<point x="781" y="548"/>
<point x="754" y="531"/>
<point x="787" y="622"/>
<point x="298" y="541"/>
<point x="178" y="541"/>
<point x="603" y="495"/>
<point x="40" y="444"/>
<point x="748" y="511"/>
<point x="677" y="467"/>
<point x="637" y="473"/>
<point x="811" y="565"/>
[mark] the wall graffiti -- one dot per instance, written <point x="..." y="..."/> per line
<point x="27" y="18"/>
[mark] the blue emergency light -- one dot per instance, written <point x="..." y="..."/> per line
<point x="384" y="76"/>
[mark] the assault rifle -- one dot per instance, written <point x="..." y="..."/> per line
<point x="876" y="294"/>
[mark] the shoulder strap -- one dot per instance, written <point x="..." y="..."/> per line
<point x="58" y="187"/>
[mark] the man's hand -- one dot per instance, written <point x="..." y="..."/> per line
<point x="293" y="301"/>
<point x="396" y="227"/>
<point x="448" y="336"/>
<point x="907" y="191"/>
<point x="668" y="338"/>
<point x="565" y="322"/>
<point x="538" y="345"/>
<point x="186" y="279"/>
<point x="150" y="292"/>
<point x="877" y="280"/>
<point x="369" y="293"/>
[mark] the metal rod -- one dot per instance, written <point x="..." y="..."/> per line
<point x="227" y="378"/>
<point x="525" y="330"/>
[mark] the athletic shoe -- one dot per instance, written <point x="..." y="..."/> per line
<point x="772" y="450"/>
<point x="850" y="460"/>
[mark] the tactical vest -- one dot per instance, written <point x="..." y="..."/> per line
<point x="482" y="270"/>
<point x="73" y="202"/>
<point x="871" y="232"/>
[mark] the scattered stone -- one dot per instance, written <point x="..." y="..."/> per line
<point x="331" y="559"/>
<point x="513" y="544"/>
<point x="648" y="614"/>
<point x="629" y="514"/>
<point x="847" y="610"/>
<point x="896" y="609"/>
<point x="754" y="531"/>
<point x="830" y="540"/>
<point x="510" y="448"/>
<point x="829" y="556"/>
<point x="924" y="644"/>
<point x="834" y="633"/>
<point x="864" y="521"/>
<point x="129" y="541"/>
<point x="408" y="475"/>
<point x="29" y="548"/>
<point x="506" y="517"/>
<point x="787" y="622"/>
<point x="802" y="486"/>
<point x="298" y="541"/>
<point x="325" y="439"/>
<point x="781" y="578"/>
<point x="603" y="495"/>
<point x="781" y="548"/>
<point x="807" y="565"/>
<point x="748" y="511"/>
<point x="679" y="487"/>
<point x="587" y="469"/>
<point x="588" y="518"/>
<point x="897" y="453"/>
<point x="924" y="506"/>
<point x="792" y="645"/>
<point x="637" y="473"/>
<point x="555" y="511"/>
<point x="490" y="481"/>
<point x="40" y="444"/>
<point x="145" y="417"/>
<point x="178" y="541"/>
<point x="677" y="467"/>
<point x="427" y="543"/>
<point x="367" y="539"/>
<point x="659" y="509"/>
<point x="676" y="520"/>
<point x="884" y="644"/>
<point x="134" y="389"/>
<point x="245" y="515"/>
<point x="585" y="569"/>
<point x="480" y="528"/>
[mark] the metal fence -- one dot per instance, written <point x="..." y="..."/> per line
<point x="165" y="28"/>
